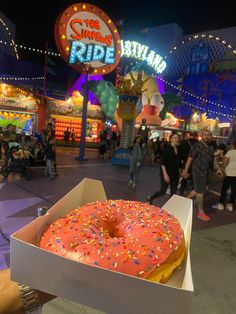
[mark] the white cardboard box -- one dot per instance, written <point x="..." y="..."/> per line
<point x="109" y="291"/>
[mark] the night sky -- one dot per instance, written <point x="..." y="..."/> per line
<point x="35" y="28"/>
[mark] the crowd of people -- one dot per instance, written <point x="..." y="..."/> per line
<point x="186" y="164"/>
<point x="108" y="142"/>
<point x="21" y="146"/>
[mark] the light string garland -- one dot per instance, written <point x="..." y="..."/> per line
<point x="193" y="95"/>
<point x="31" y="49"/>
<point x="196" y="37"/>
<point x="205" y="36"/>
<point x="211" y="111"/>
<point x="26" y="93"/>
<point x="21" y="78"/>
<point x="12" y="40"/>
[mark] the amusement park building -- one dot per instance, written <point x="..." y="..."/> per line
<point x="200" y="67"/>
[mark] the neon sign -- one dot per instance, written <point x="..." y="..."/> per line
<point x="133" y="49"/>
<point x="88" y="39"/>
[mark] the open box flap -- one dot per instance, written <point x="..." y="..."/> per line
<point x="181" y="208"/>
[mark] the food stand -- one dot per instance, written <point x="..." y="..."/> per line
<point x="68" y="114"/>
<point x="18" y="107"/>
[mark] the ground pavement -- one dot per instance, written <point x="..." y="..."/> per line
<point x="213" y="246"/>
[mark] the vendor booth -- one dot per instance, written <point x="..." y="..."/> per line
<point x="18" y="108"/>
<point x="68" y="114"/>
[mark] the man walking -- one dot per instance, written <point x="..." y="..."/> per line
<point x="200" y="157"/>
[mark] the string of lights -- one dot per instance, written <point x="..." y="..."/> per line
<point x="26" y="93"/>
<point x="47" y="52"/>
<point x="12" y="40"/>
<point x="195" y="96"/>
<point x="21" y="78"/>
<point x="210" y="111"/>
<point x="197" y="37"/>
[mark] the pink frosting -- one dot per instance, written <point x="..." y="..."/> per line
<point x="126" y="236"/>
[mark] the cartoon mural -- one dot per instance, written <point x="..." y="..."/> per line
<point x="218" y="88"/>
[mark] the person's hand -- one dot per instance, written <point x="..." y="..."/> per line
<point x="10" y="293"/>
<point x="185" y="174"/>
<point x="166" y="178"/>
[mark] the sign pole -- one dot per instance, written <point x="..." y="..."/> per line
<point x="84" y="121"/>
<point x="99" y="54"/>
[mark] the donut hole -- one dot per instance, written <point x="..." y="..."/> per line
<point x="113" y="229"/>
<point x="115" y="232"/>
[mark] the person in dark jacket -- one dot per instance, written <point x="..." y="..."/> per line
<point x="185" y="147"/>
<point x="170" y="165"/>
<point x="50" y="155"/>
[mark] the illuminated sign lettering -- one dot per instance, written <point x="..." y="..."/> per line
<point x="87" y="53"/>
<point x="133" y="49"/>
<point x="87" y="39"/>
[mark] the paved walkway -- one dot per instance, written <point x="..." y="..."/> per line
<point x="212" y="256"/>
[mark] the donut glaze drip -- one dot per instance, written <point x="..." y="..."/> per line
<point x="125" y="236"/>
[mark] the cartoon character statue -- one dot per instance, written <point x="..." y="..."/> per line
<point x="152" y="101"/>
<point x="138" y="83"/>
<point x="152" y="106"/>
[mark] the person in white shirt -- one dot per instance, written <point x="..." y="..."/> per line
<point x="230" y="179"/>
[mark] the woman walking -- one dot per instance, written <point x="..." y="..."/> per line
<point x="169" y="171"/>
<point x="230" y="179"/>
<point x="137" y="154"/>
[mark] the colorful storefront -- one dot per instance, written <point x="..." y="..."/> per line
<point x="68" y="114"/>
<point x="18" y="108"/>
